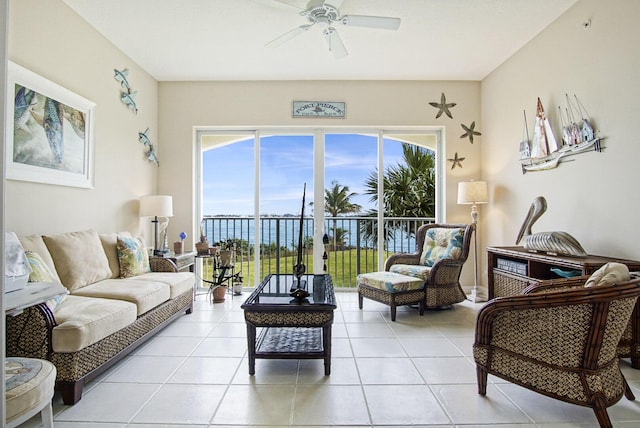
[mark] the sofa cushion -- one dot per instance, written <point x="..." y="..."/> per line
<point x="40" y="271"/>
<point x="35" y="243"/>
<point x="418" y="271"/>
<point x="441" y="243"/>
<point x="83" y="321"/>
<point x="179" y="282"/>
<point x="109" y="245"/>
<point x="132" y="257"/>
<point x="608" y="274"/>
<point x="145" y="295"/>
<point x="79" y="258"/>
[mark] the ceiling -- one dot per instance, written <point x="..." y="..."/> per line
<point x="185" y="40"/>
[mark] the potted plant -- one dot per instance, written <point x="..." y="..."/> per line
<point x="202" y="247"/>
<point x="178" y="246"/>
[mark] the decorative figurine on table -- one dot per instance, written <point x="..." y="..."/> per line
<point x="553" y="243"/>
<point x="299" y="286"/>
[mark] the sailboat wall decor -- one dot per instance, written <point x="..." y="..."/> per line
<point x="543" y="152"/>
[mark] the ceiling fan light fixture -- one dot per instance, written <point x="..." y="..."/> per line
<point x="322" y="13"/>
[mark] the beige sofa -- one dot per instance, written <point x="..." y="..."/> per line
<point x="105" y="315"/>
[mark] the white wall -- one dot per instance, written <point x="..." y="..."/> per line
<point x="4" y="7"/>
<point x="51" y="40"/>
<point x="185" y="105"/>
<point x="594" y="197"/>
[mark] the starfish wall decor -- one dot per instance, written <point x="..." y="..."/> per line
<point x="469" y="131"/>
<point x="443" y="107"/>
<point x="456" y="161"/>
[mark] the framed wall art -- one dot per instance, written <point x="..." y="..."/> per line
<point x="51" y="140"/>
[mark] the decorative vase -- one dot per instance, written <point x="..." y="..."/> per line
<point x="237" y="288"/>
<point x="178" y="247"/>
<point x="219" y="293"/>
<point x="202" y="247"/>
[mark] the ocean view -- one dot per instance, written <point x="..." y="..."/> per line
<point x="283" y="231"/>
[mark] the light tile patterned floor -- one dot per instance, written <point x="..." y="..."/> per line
<point x="417" y="371"/>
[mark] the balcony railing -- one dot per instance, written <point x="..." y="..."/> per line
<point x="352" y="247"/>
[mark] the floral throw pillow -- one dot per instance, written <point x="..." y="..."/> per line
<point x="441" y="243"/>
<point x="41" y="272"/>
<point x="132" y="256"/>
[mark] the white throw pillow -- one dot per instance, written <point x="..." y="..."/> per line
<point x="608" y="274"/>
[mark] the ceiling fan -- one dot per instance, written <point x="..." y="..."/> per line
<point x="325" y="13"/>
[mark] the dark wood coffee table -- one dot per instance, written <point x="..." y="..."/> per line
<point x="293" y="328"/>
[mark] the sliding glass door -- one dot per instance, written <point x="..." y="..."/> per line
<point x="252" y="185"/>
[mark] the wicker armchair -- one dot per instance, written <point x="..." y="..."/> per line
<point x="562" y="344"/>
<point x="629" y="345"/>
<point x="442" y="280"/>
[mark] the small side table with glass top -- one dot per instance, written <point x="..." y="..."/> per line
<point x="185" y="262"/>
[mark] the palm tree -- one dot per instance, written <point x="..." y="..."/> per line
<point x="337" y="200"/>
<point x="409" y="189"/>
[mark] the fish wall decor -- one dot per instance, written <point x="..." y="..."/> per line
<point x="152" y="155"/>
<point x="127" y="99"/>
<point x="126" y="95"/>
<point x="143" y="137"/>
<point x="121" y="77"/>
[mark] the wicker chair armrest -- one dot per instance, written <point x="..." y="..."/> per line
<point x="547" y="286"/>
<point x="159" y="264"/>
<point x="496" y="312"/>
<point x="402" y="258"/>
<point x="445" y="271"/>
<point x="28" y="334"/>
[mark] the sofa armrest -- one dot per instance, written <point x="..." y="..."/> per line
<point x="159" y="264"/>
<point x="29" y="333"/>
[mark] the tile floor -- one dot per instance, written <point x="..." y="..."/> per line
<point x="417" y="371"/>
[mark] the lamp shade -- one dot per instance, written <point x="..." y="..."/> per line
<point x="156" y="206"/>
<point x="473" y="192"/>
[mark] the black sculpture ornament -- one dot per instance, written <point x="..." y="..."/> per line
<point x="299" y="286"/>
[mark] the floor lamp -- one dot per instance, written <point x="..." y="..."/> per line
<point x="473" y="193"/>
<point x="157" y="206"/>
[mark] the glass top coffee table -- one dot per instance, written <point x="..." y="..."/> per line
<point x="293" y="328"/>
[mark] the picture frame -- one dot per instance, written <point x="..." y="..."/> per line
<point x="52" y="137"/>
<point x="325" y="109"/>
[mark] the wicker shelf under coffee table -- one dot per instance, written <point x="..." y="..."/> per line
<point x="292" y="328"/>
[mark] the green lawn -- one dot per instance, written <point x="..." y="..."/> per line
<point x="342" y="265"/>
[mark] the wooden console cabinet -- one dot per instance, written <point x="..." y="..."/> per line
<point x="512" y="269"/>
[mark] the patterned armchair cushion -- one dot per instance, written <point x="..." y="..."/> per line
<point x="441" y="243"/>
<point x="417" y="271"/>
<point x="389" y="281"/>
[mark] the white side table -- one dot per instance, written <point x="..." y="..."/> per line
<point x="33" y="294"/>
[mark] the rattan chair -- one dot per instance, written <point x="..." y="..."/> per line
<point x="629" y="345"/>
<point x="442" y="280"/>
<point x="562" y="344"/>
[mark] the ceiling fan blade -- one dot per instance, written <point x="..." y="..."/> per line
<point x="335" y="42"/>
<point x="383" y="22"/>
<point x="292" y="4"/>
<point x="288" y="36"/>
<point x="334" y="3"/>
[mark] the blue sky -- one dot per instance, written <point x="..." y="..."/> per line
<point x="286" y="164"/>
